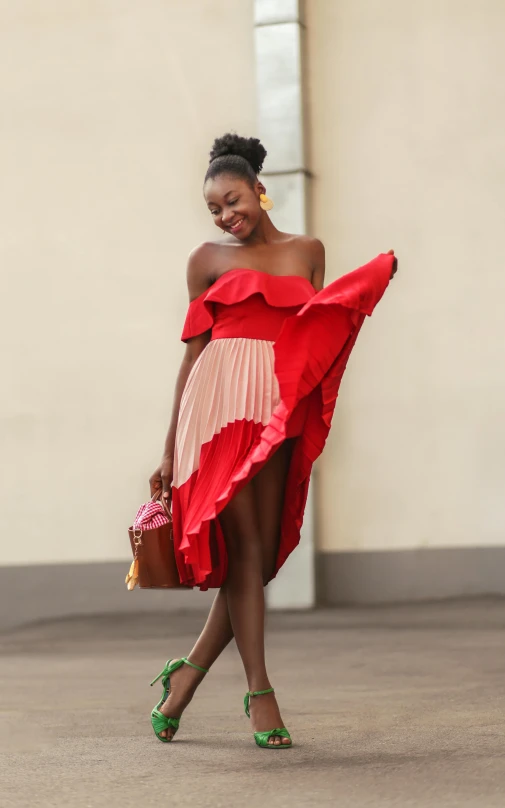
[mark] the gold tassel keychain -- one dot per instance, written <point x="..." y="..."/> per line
<point x="132" y="578"/>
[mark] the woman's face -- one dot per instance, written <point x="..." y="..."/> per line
<point x="234" y="205"/>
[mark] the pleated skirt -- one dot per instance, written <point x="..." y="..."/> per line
<point x="229" y="398"/>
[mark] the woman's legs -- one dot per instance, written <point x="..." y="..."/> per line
<point x="270" y="490"/>
<point x="251" y="525"/>
<point x="214" y="638"/>
<point x="244" y="583"/>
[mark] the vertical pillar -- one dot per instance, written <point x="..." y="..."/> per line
<point x="279" y="32"/>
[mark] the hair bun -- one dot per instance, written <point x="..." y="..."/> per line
<point x="249" y="148"/>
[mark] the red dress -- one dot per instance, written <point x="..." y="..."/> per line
<point x="271" y="371"/>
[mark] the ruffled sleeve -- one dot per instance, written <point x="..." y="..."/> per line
<point x="362" y="289"/>
<point x="325" y="330"/>
<point x="359" y="290"/>
<point x="199" y="318"/>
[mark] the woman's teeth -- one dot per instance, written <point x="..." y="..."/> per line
<point x="237" y="225"/>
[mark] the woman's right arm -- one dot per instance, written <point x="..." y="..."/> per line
<point x="198" y="282"/>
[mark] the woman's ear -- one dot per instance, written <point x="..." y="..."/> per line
<point x="260" y="188"/>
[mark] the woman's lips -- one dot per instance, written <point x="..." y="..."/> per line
<point x="235" y="227"/>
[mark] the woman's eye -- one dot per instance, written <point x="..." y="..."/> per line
<point x="233" y="201"/>
<point x="214" y="212"/>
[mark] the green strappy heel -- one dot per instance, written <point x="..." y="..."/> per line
<point x="262" y="738"/>
<point x="159" y="721"/>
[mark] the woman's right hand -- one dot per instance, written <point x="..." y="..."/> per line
<point x="161" y="479"/>
<point x="394" y="268"/>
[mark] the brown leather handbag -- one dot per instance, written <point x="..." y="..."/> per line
<point x="154" y="565"/>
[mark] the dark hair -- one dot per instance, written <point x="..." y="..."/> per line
<point x="240" y="156"/>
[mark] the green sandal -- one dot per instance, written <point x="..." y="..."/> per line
<point x="159" y="721"/>
<point x="262" y="738"/>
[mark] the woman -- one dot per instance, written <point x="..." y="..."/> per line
<point x="266" y="349"/>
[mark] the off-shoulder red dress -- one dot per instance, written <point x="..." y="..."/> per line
<point x="271" y="371"/>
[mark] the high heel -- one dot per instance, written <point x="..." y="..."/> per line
<point x="159" y="721"/>
<point x="262" y="738"/>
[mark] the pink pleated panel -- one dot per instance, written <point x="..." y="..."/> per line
<point x="232" y="380"/>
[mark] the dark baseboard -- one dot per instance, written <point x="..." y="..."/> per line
<point x="409" y="575"/>
<point x="52" y="591"/>
<point x="49" y="591"/>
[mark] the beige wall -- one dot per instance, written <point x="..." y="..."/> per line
<point x="408" y="118"/>
<point x="108" y="112"/>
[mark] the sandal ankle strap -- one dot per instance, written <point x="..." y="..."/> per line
<point x="250" y="693"/>
<point x="192" y="665"/>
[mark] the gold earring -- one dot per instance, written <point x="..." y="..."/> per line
<point x="265" y="202"/>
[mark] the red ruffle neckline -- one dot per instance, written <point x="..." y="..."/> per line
<point x="237" y="285"/>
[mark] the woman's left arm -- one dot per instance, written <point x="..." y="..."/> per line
<point x="318" y="264"/>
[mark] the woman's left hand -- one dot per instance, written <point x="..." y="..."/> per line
<point x="395" y="264"/>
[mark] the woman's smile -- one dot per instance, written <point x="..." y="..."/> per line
<point x="234" y="228"/>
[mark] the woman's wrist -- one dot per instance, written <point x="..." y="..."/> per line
<point x="169" y="449"/>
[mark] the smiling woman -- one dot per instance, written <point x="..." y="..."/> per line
<point x="266" y="350"/>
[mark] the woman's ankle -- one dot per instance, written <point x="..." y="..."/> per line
<point x="259" y="684"/>
<point x="197" y="665"/>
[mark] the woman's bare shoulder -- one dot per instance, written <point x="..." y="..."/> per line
<point x="201" y="267"/>
<point x="312" y="248"/>
<point x="306" y="242"/>
<point x="204" y="250"/>
<point x="317" y="251"/>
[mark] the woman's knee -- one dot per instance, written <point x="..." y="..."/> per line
<point x="245" y="548"/>
<point x="242" y="541"/>
<point x="240" y="528"/>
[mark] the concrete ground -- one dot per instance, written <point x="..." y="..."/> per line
<point x="399" y="706"/>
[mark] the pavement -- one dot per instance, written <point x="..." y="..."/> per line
<point x="392" y="706"/>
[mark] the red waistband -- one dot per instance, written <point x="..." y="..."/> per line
<point x="252" y="319"/>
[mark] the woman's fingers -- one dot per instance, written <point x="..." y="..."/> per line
<point x="167" y="474"/>
<point x="395" y="265"/>
<point x="155" y="482"/>
<point x="166" y="484"/>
